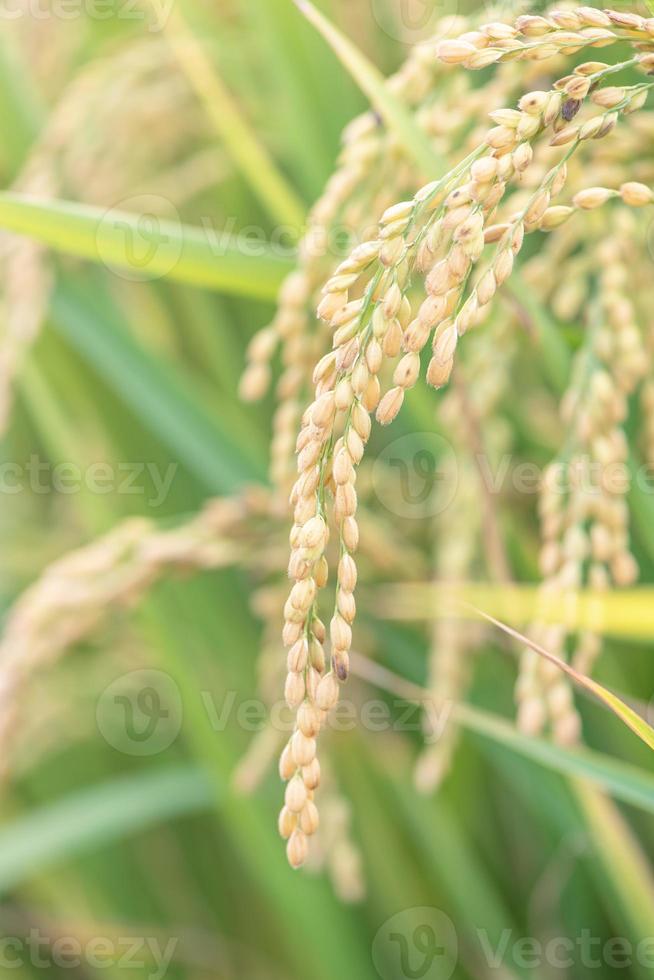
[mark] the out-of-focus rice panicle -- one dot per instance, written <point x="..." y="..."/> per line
<point x="76" y="594"/>
<point x="91" y="150"/>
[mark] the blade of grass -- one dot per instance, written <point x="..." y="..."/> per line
<point x="608" y="848"/>
<point x="280" y="32"/>
<point x="627" y="783"/>
<point x="453" y="876"/>
<point x="46" y="412"/>
<point x="254" y="160"/>
<point x="623" y="781"/>
<point x="627" y="715"/>
<point x="152" y="389"/>
<point x="627" y="614"/>
<point x="623" y="861"/>
<point x="197" y="256"/>
<point x="371" y="82"/>
<point x="87" y="820"/>
<point x="474" y="895"/>
<point x="554" y="350"/>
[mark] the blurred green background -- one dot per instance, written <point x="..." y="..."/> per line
<point x="134" y="865"/>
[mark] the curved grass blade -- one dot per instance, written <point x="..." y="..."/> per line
<point x="621" y="710"/>
<point x="621" y="780"/>
<point x="371" y="82"/>
<point x="198" y="256"/>
<point x="93" y="817"/>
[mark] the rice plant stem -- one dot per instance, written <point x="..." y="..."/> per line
<point x="272" y="189"/>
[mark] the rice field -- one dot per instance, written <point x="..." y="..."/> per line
<point x="326" y="448"/>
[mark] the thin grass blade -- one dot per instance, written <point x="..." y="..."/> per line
<point x="627" y="614"/>
<point x="94" y="817"/>
<point x="621" y="780"/>
<point x="621" y="710"/>
<point x="371" y="82"/>
<point x="244" y="146"/>
<point x="153" y="390"/>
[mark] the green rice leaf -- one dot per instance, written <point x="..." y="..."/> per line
<point x="627" y="715"/>
<point x="93" y="817"/>
<point x="371" y="82"/>
<point x="146" y="245"/>
<point x="241" y="141"/>
<point x="553" y="348"/>
<point x="623" y="781"/>
<point x="622" y="864"/>
<point x="154" y="391"/>
<point x="625" y="614"/>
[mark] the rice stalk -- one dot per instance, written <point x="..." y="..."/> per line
<point x="438" y="235"/>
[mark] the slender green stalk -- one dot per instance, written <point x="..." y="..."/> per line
<point x="254" y="160"/>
